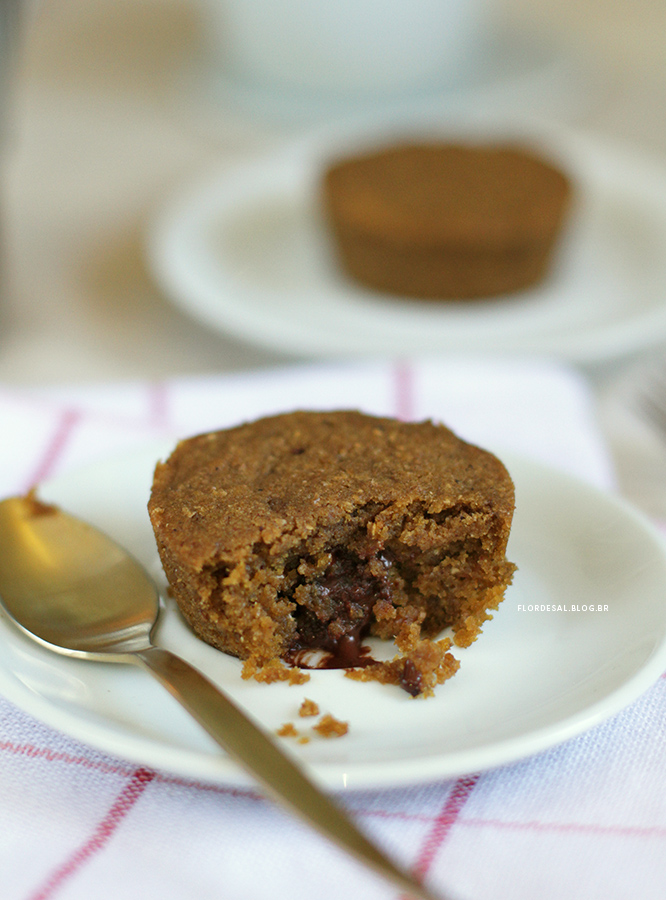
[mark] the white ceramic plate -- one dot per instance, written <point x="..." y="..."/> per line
<point x="533" y="679"/>
<point x="246" y="252"/>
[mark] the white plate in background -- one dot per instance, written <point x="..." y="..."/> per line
<point x="246" y="252"/>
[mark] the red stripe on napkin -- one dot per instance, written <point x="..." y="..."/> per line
<point x="403" y="382"/>
<point x="33" y="752"/>
<point x="66" y="424"/>
<point x="158" y="404"/>
<point x="102" y="834"/>
<point x="634" y="831"/>
<point x="444" y="823"/>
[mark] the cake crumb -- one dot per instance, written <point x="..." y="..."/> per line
<point x="287" y="730"/>
<point x="308" y="708"/>
<point x="417" y="672"/>
<point x="272" y="671"/>
<point x="328" y="727"/>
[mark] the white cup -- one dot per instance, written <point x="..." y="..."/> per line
<point x="345" y="48"/>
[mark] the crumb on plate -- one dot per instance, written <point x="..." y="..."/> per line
<point x="308" y="708"/>
<point x="328" y="727"/>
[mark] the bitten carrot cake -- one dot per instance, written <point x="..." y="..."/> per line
<point x="446" y="221"/>
<point x="307" y="531"/>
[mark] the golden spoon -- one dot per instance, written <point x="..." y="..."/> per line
<point x="74" y="590"/>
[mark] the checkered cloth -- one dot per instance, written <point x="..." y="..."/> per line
<point x="584" y="820"/>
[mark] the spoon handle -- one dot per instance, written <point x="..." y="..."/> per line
<point x="262" y="758"/>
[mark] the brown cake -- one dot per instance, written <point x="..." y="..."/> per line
<point x="446" y="221"/>
<point x="309" y="530"/>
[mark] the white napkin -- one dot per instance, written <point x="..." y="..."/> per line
<point x="541" y="410"/>
<point x="584" y="820"/>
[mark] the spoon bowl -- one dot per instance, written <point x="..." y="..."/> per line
<point x="69" y="586"/>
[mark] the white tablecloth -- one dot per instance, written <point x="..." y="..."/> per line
<point x="584" y="820"/>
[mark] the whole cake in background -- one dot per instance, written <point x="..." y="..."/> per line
<point x="302" y="533"/>
<point x="446" y="221"/>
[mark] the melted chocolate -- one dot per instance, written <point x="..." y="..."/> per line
<point x="411" y="680"/>
<point x="330" y="633"/>
<point x="348" y="593"/>
<point x="348" y="652"/>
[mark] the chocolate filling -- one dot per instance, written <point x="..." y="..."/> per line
<point x="339" y="616"/>
<point x="411" y="679"/>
